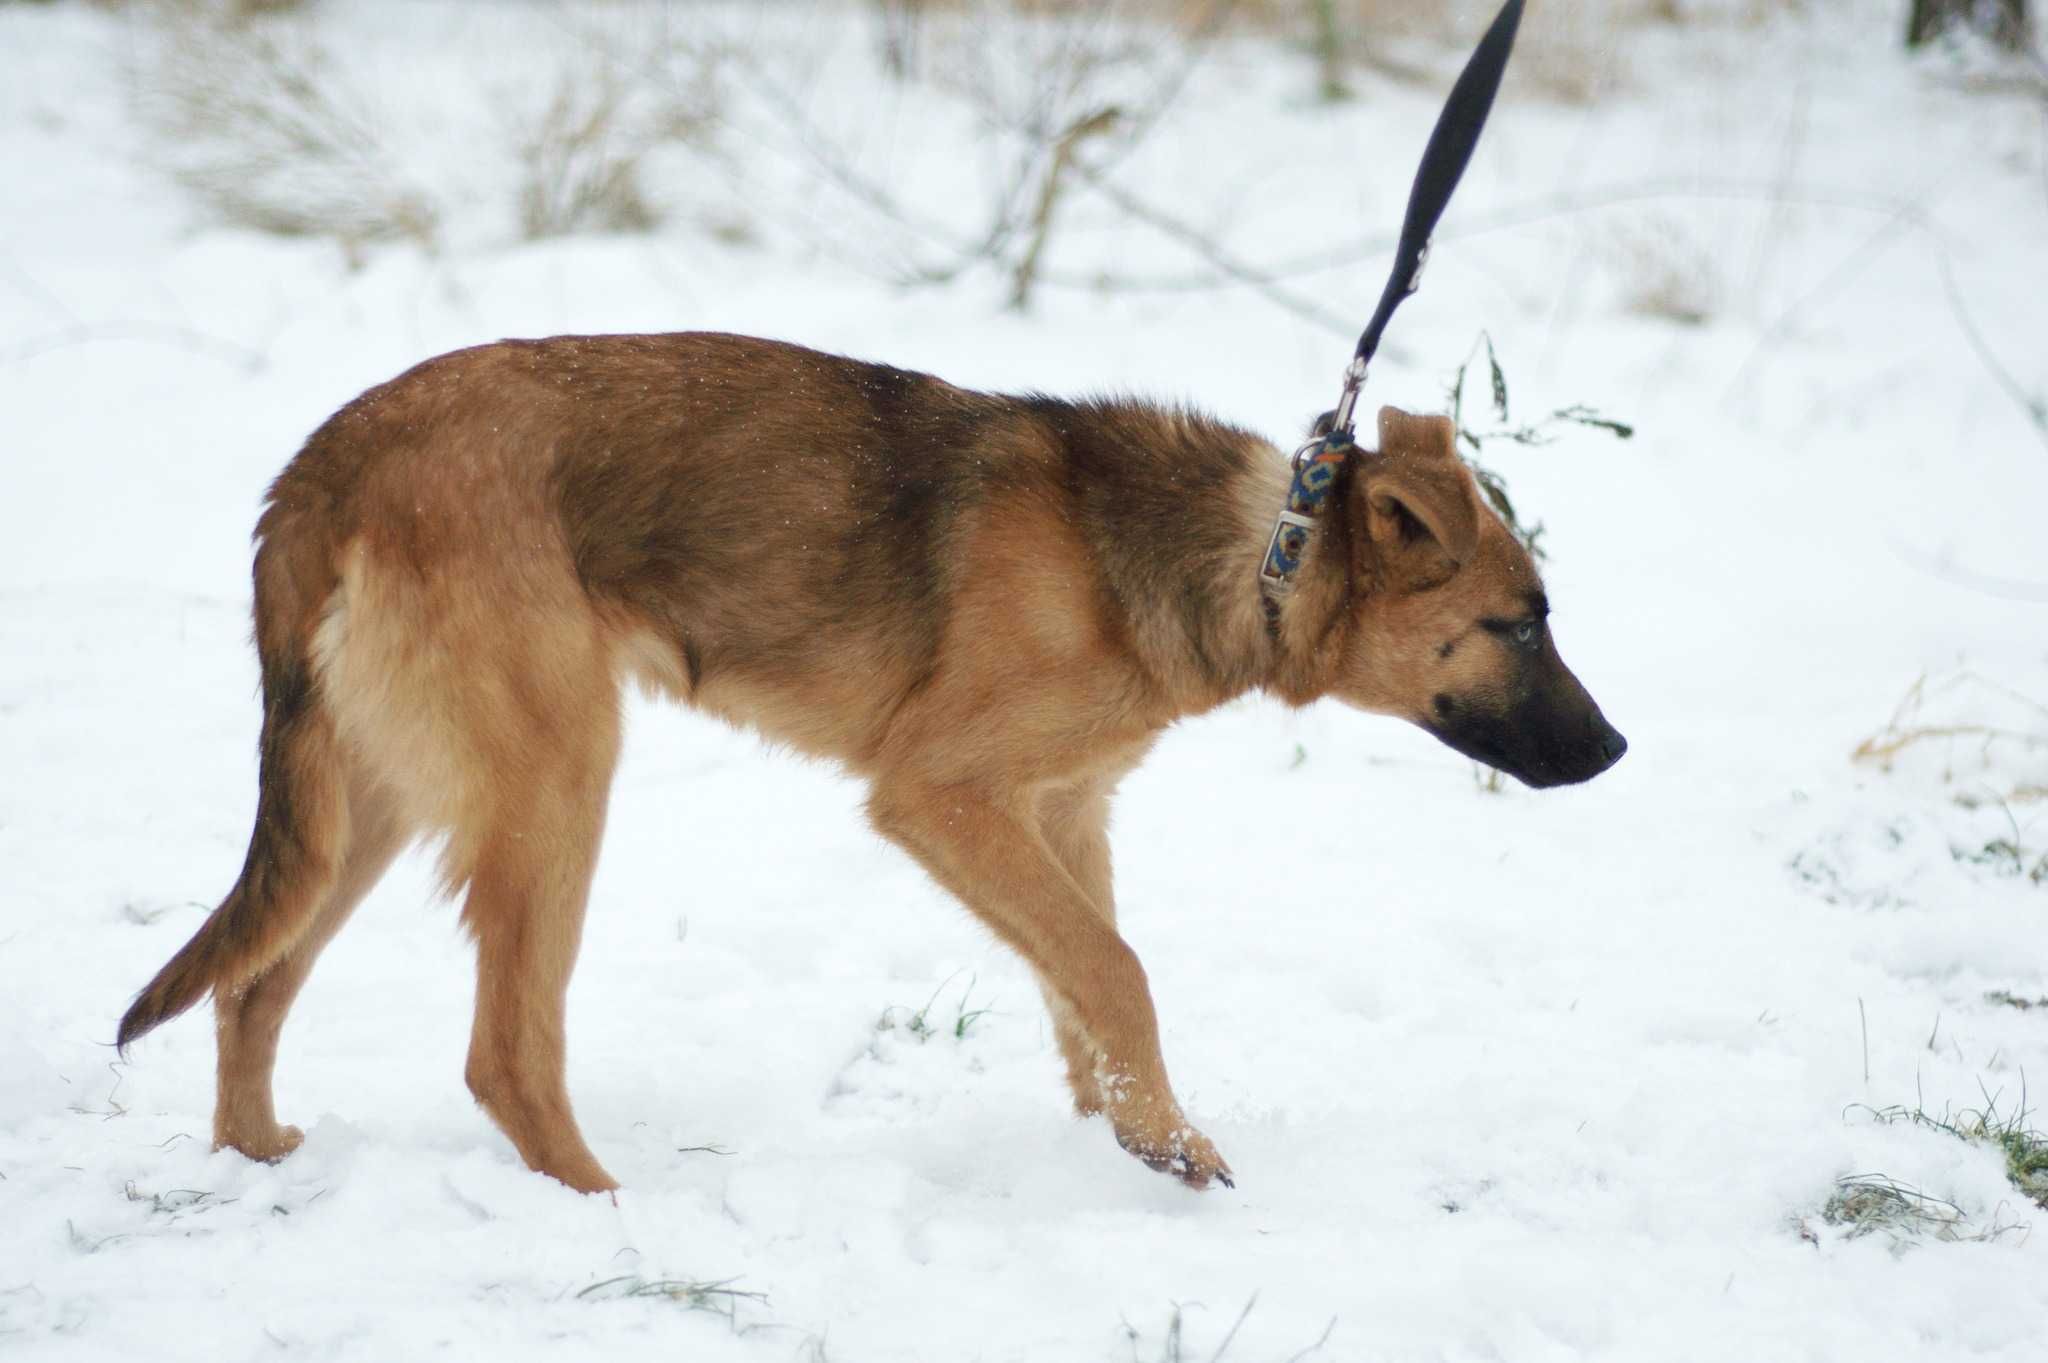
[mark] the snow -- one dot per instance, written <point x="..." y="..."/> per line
<point x="1502" y="1075"/>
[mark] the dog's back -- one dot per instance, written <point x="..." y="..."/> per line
<point x="752" y="514"/>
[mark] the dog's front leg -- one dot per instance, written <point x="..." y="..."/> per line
<point x="986" y="846"/>
<point x="1075" y="822"/>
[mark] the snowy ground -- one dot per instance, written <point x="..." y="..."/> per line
<point x="1503" y="1076"/>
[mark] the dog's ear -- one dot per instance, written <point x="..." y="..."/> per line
<point x="1420" y="508"/>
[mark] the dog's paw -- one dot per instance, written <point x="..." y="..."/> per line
<point x="1183" y="1152"/>
<point x="265" y="1147"/>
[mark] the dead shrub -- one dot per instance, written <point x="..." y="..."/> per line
<point x="631" y="88"/>
<point x="251" y="123"/>
<point x="575" y="173"/>
<point x="1061" y="93"/>
<point x="270" y="130"/>
<point x="1663" y="270"/>
<point x="1966" y="725"/>
<point x="582" y="155"/>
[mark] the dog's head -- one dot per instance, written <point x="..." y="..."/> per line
<point x="1450" y="631"/>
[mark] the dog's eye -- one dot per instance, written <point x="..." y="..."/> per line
<point x="1526" y="632"/>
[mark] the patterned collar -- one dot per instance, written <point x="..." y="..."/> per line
<point x="1316" y="466"/>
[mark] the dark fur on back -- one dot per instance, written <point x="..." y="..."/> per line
<point x="680" y="501"/>
<point x="679" y="510"/>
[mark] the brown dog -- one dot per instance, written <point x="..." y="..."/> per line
<point x="987" y="606"/>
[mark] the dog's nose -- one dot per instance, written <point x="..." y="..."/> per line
<point x="1613" y="745"/>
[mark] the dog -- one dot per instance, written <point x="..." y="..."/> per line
<point x="986" y="606"/>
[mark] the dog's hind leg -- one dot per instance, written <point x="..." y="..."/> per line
<point x="531" y="859"/>
<point x="315" y="849"/>
<point x="249" y="1019"/>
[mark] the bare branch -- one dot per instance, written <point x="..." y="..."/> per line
<point x="1026" y="272"/>
<point x="2035" y="406"/>
<point x="150" y="333"/>
<point x="1236" y="271"/>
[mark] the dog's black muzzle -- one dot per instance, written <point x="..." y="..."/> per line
<point x="1552" y="734"/>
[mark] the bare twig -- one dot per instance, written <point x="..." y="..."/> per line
<point x="1863" y="1019"/>
<point x="1903" y="215"/>
<point x="1990" y="584"/>
<point x="1026" y="272"/>
<point x="2036" y="407"/>
<point x="818" y="150"/>
<point x="1232" y="269"/>
<point x="1194" y="47"/>
<point x="1070" y="70"/>
<point x="1316" y="1347"/>
<point x="1235" y="1326"/>
<point x="1529" y="212"/>
<point x="148" y="333"/>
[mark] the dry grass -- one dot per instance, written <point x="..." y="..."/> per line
<point x="1574" y="53"/>
<point x="1664" y="271"/>
<point x="617" y="99"/>
<point x="581" y="156"/>
<point x="1568" y="52"/>
<point x="270" y="130"/>
<point x="254" y="127"/>
<point x="1173" y="1344"/>
<point x="720" y="1298"/>
<point x="1936" y="714"/>
<point x="1986" y="743"/>
<point x="575" y="174"/>
<point x="1870" y="1204"/>
<point x="2024" y="1150"/>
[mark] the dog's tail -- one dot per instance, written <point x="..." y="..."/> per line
<point x="302" y="823"/>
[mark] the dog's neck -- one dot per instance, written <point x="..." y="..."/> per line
<point x="1305" y="628"/>
<point x="1184" y="514"/>
<point x="1236" y="638"/>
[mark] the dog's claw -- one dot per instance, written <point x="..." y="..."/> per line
<point x="1190" y="1158"/>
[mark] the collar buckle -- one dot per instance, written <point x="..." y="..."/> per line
<point x="1316" y="465"/>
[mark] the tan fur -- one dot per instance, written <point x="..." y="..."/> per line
<point x="988" y="607"/>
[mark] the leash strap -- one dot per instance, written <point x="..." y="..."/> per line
<point x="1317" y="463"/>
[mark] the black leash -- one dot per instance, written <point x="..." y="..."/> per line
<point x="1316" y="464"/>
<point x="1436" y="179"/>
